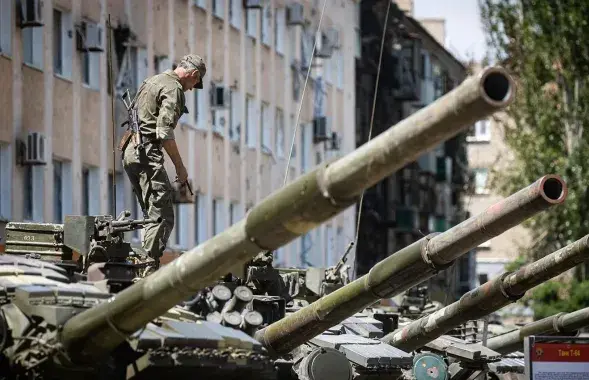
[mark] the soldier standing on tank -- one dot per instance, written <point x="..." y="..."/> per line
<point x="160" y="101"/>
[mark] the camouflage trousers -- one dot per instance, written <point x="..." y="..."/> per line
<point x="153" y="189"/>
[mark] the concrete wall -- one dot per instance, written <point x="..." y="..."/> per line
<point x="76" y="118"/>
<point x="436" y="27"/>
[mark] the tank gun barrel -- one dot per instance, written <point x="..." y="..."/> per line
<point x="489" y="297"/>
<point x="555" y="324"/>
<point x="411" y="265"/>
<point x="288" y="213"/>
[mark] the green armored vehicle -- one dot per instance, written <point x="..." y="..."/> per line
<point x="105" y="315"/>
<point x="42" y="287"/>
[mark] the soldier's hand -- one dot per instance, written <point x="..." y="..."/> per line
<point x="181" y="174"/>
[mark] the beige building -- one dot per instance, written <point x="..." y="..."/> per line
<point x="56" y="125"/>
<point x="487" y="153"/>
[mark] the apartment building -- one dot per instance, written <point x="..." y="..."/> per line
<point x="56" y="128"/>
<point x="426" y="195"/>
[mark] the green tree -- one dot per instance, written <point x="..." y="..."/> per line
<point x="544" y="44"/>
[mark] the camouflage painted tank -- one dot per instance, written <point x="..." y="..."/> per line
<point x="41" y="287"/>
<point x="97" y="316"/>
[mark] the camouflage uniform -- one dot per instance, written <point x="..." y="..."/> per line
<point x="160" y="102"/>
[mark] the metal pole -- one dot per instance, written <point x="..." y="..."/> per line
<point x="112" y="111"/>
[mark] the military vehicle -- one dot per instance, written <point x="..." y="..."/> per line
<point x="410" y="266"/>
<point x="58" y="322"/>
<point x="562" y="324"/>
<point x="489" y="297"/>
<point x="42" y="286"/>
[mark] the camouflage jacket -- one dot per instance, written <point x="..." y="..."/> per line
<point x="160" y="102"/>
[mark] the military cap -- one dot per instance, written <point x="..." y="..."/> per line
<point x="195" y="61"/>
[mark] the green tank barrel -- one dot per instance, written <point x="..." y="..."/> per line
<point x="489" y="297"/>
<point x="411" y="265"/>
<point x="288" y="213"/>
<point x="560" y="324"/>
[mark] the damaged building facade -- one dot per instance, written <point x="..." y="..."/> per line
<point x="427" y="195"/>
<point x="56" y="126"/>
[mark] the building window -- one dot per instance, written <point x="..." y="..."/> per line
<point x="181" y="219"/>
<point x="266" y="20"/>
<point x="266" y="128"/>
<point x="235" y="116"/>
<point x="339" y="243"/>
<point x="306" y="246"/>
<point x="480" y="180"/>
<point x="201" y="3"/>
<point x="292" y="44"/>
<point x="62" y="43"/>
<point x="482" y="132"/>
<point x="329" y="245"/>
<point x="305" y="148"/>
<point x="90" y="191"/>
<point x="200" y="221"/>
<point x="280" y="258"/>
<point x="279" y="136"/>
<point x="6" y="27"/>
<point x="91" y="68"/>
<point x="250" y="130"/>
<point x="234" y="213"/>
<point x="177" y="223"/>
<point x="235" y="12"/>
<point x="279" y="28"/>
<point x="120" y="198"/>
<point x="57" y="192"/>
<point x="250" y="22"/>
<point x="339" y="79"/>
<point x="6" y="183"/>
<point x="293" y="137"/>
<point x="218" y="216"/>
<point x="32" y="38"/>
<point x="307" y="39"/>
<point x="327" y="70"/>
<point x="296" y="84"/>
<point x="218" y="8"/>
<point x="33" y="192"/>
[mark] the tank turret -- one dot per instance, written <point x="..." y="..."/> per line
<point x="489" y="297"/>
<point x="560" y="324"/>
<point x="90" y="333"/>
<point x="411" y="265"/>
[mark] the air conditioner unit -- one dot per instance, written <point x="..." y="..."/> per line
<point x="334" y="141"/>
<point x="219" y="96"/>
<point x="332" y="35"/>
<point x="326" y="49"/>
<point x="90" y="37"/>
<point x="31" y="13"/>
<point x="295" y="14"/>
<point x="253" y="4"/>
<point x="34" y="149"/>
<point x="320" y="129"/>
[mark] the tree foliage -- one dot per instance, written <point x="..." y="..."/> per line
<point x="544" y="44"/>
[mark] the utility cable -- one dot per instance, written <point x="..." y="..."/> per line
<point x="384" y="29"/>
<point x="294" y="135"/>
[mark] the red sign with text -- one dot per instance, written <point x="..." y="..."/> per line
<point x="560" y="352"/>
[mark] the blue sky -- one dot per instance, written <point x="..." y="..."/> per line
<point x="464" y="30"/>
